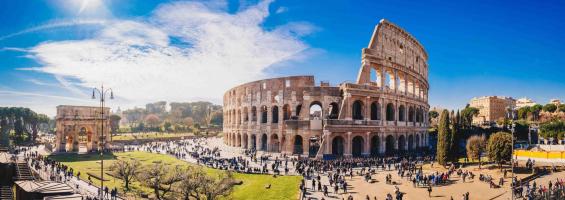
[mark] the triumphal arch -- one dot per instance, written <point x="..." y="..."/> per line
<point x="384" y="112"/>
<point x="79" y="128"/>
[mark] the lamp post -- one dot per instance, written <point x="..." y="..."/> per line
<point x="102" y="94"/>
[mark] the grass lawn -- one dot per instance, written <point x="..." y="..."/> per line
<point x="155" y="135"/>
<point x="253" y="187"/>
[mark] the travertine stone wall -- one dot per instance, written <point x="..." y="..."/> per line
<point x="80" y="127"/>
<point x="383" y="112"/>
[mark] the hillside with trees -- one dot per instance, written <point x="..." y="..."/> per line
<point x="172" y="117"/>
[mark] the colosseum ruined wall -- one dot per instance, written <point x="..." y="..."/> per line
<point x="383" y="113"/>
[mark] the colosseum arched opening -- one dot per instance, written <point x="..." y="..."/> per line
<point x="383" y="112"/>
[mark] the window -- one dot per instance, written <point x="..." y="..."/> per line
<point x="264" y="85"/>
<point x="287" y="83"/>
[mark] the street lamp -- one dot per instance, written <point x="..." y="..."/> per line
<point x="102" y="94"/>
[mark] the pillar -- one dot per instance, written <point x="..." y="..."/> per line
<point x="347" y="149"/>
<point x="367" y="149"/>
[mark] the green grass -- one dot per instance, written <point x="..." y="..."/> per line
<point x="253" y="187"/>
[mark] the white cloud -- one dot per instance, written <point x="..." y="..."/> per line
<point x="281" y="9"/>
<point x="212" y="51"/>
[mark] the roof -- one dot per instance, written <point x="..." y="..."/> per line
<point x="44" y="187"/>
<point x="5" y="158"/>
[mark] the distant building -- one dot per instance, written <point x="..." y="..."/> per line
<point x="556" y="102"/>
<point x="491" y="108"/>
<point x="523" y="102"/>
<point x="79" y="128"/>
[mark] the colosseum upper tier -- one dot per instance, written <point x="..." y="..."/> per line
<point x="383" y="112"/>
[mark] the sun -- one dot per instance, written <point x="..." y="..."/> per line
<point x="89" y="5"/>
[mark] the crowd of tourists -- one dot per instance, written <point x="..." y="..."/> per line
<point x="52" y="170"/>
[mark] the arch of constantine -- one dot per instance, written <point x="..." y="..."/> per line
<point x="384" y="112"/>
<point x="79" y="128"/>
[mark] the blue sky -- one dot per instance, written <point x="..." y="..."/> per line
<point x="53" y="51"/>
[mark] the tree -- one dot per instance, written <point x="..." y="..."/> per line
<point x="433" y="114"/>
<point x="115" y="123"/>
<point x="191" y="183"/>
<point x="549" y="107"/>
<point x="160" y="178"/>
<point x="443" y="138"/>
<point x="499" y="147"/>
<point x="214" y="187"/>
<point x="152" y="120"/>
<point x="553" y="129"/>
<point x="535" y="110"/>
<point x="475" y="147"/>
<point x="467" y="115"/>
<point x="126" y="170"/>
<point x="454" y="139"/>
<point x="523" y="112"/>
<point x="188" y="121"/>
<point x="561" y="107"/>
<point x="167" y="126"/>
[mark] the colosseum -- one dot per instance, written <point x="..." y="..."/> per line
<point x="383" y="113"/>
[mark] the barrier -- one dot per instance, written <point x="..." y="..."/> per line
<point x="543" y="156"/>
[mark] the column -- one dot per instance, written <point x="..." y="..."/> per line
<point x="382" y="77"/>
<point x="327" y="142"/>
<point x="305" y="145"/>
<point x="347" y="152"/>
<point x="367" y="108"/>
<point x="395" y="81"/>
<point x="367" y="150"/>
<point x="382" y="141"/>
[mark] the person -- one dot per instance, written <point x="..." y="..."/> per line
<point x="429" y="190"/>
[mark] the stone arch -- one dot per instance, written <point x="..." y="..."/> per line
<point x="253" y="144"/>
<point x="286" y="112"/>
<point x="401" y="143"/>
<point x="298" y="109"/>
<point x="375" y="111"/>
<point x="275" y="143"/>
<point x="390" y="112"/>
<point x="338" y="146"/>
<point x="245" y="114"/>
<point x="238" y="140"/>
<point x="82" y="135"/>
<point x="298" y="145"/>
<point x="389" y="145"/>
<point x="411" y="114"/>
<point x="410" y="142"/>
<point x="263" y="142"/>
<point x="357" y="110"/>
<point x="357" y="146"/>
<point x="275" y="114"/>
<point x="334" y="111"/>
<point x="244" y="141"/>
<point x="316" y="110"/>
<point x="401" y="113"/>
<point x="254" y="114"/>
<point x="418" y="141"/>
<point x="375" y="145"/>
<point x="264" y="114"/>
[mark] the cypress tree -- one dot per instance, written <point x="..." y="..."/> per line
<point x="454" y="140"/>
<point x="443" y="138"/>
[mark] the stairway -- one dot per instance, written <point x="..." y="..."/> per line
<point x="23" y="172"/>
<point x="6" y="193"/>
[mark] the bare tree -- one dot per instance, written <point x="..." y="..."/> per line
<point x="190" y="184"/>
<point x="161" y="178"/>
<point x="126" y="170"/>
<point x="214" y="187"/>
<point x="476" y="145"/>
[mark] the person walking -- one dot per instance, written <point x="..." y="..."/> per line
<point x="429" y="190"/>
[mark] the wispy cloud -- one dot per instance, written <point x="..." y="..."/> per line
<point x="56" y="24"/>
<point x="212" y="51"/>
